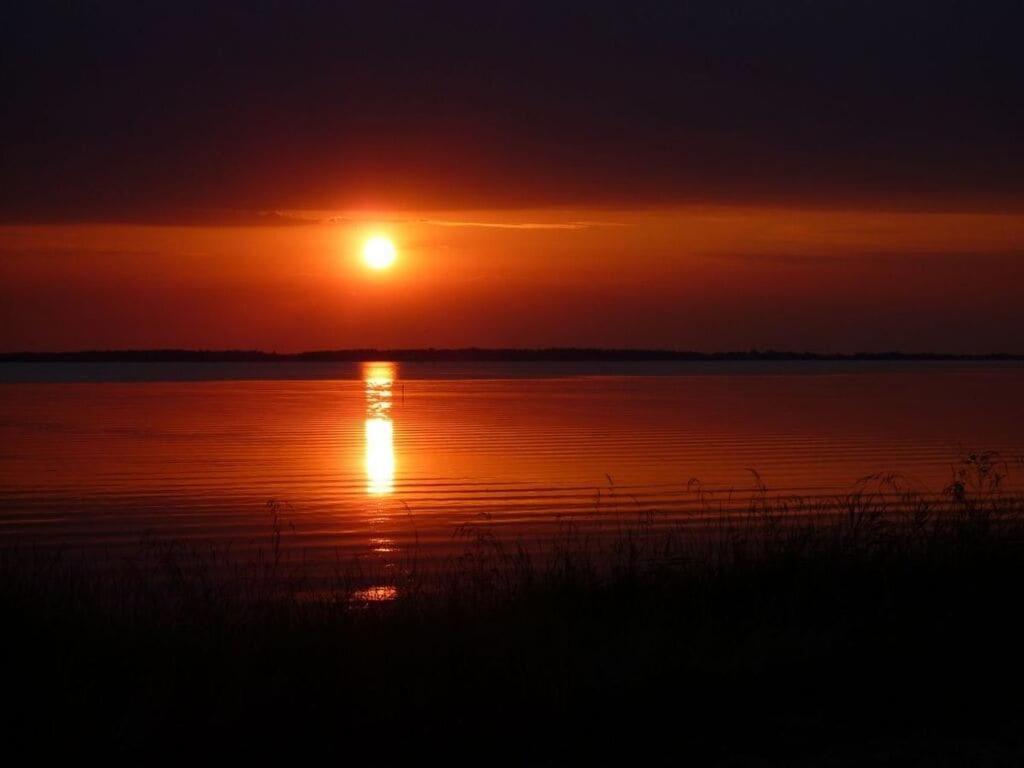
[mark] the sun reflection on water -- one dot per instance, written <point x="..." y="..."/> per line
<point x="379" y="379"/>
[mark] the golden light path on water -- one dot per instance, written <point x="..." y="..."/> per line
<point x="379" y="380"/>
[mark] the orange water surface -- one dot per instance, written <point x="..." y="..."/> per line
<point x="386" y="454"/>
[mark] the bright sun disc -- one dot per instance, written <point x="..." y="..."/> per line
<point x="379" y="253"/>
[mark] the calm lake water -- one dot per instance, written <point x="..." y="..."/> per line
<point x="370" y="457"/>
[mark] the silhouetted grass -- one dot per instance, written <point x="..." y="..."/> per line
<point x="884" y="627"/>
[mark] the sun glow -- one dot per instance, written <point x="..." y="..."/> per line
<point x="379" y="252"/>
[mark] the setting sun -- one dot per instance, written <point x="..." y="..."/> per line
<point x="379" y="252"/>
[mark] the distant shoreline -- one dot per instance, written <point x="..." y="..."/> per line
<point x="475" y="354"/>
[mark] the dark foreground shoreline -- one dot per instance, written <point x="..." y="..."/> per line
<point x="883" y="636"/>
<point x="473" y="354"/>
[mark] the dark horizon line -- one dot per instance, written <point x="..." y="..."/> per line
<point x="476" y="354"/>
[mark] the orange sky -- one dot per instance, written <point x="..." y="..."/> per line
<point x="705" y="278"/>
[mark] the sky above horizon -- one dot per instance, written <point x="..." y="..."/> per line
<point x="829" y="176"/>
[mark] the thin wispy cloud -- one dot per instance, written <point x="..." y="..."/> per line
<point x="522" y="225"/>
<point x="318" y="217"/>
